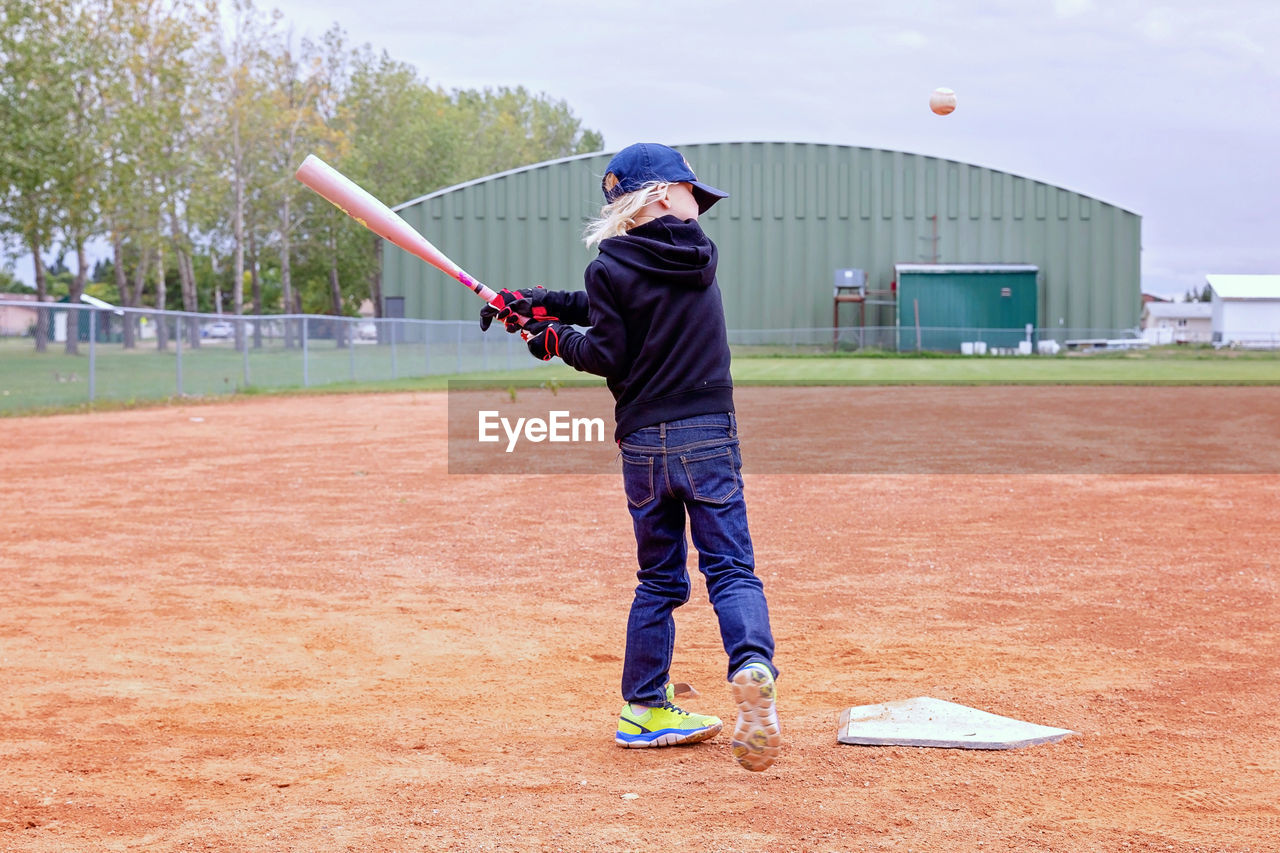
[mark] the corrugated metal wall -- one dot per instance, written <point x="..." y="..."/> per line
<point x="797" y="212"/>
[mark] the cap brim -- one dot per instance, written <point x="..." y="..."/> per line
<point x="706" y="195"/>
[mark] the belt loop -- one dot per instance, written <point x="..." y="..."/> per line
<point x="662" y="431"/>
<point x="733" y="425"/>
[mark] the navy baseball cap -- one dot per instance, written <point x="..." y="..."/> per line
<point x="636" y="165"/>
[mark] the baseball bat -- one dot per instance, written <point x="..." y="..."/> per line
<point x="356" y="202"/>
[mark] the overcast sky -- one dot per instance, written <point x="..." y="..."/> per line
<point x="1170" y="110"/>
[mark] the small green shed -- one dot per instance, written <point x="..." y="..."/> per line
<point x="941" y="306"/>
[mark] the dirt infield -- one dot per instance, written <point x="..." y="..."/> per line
<point x="279" y="624"/>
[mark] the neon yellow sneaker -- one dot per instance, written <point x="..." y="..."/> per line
<point x="665" y="725"/>
<point x="757" y="739"/>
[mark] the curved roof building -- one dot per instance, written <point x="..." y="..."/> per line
<point x="797" y="213"/>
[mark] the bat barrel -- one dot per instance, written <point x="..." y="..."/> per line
<point x="360" y="205"/>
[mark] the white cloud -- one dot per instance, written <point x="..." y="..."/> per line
<point x="1164" y="107"/>
<point x="909" y="39"/>
<point x="1159" y="25"/>
<point x="1072" y="8"/>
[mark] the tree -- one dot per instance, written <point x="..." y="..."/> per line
<point x="404" y="134"/>
<point x="9" y="284"/>
<point x="239" y="67"/>
<point x="37" y="101"/>
<point x="153" y="167"/>
<point x="82" y="172"/>
<point x="190" y="177"/>
<point x="150" y="123"/>
<point x="1203" y="295"/>
<point x="331" y="232"/>
<point x="511" y="127"/>
<point x="293" y="90"/>
<point x="409" y="137"/>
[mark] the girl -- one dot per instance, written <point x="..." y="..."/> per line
<point x="656" y="332"/>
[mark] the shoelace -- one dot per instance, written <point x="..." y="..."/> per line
<point x="675" y="709"/>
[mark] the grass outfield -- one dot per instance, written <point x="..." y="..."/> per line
<point x="51" y="382"/>
<point x="1139" y="368"/>
<point x="1152" y="367"/>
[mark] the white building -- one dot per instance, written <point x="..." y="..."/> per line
<point x="1246" y="310"/>
<point x="16" y="320"/>
<point x="1177" y="322"/>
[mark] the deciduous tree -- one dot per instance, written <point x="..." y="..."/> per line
<point x="37" y="100"/>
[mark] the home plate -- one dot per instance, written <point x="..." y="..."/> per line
<point x="923" y="721"/>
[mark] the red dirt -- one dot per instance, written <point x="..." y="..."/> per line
<point x="279" y="624"/>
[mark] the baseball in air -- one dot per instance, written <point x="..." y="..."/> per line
<point x="942" y="101"/>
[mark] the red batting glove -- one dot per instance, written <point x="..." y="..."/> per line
<point x="530" y="306"/>
<point x="500" y="307"/>
<point x="513" y="306"/>
<point x="544" y="338"/>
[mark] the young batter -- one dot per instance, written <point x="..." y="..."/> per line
<point x="656" y="332"/>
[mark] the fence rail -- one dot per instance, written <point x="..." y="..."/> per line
<point x="105" y="353"/>
<point x="124" y="354"/>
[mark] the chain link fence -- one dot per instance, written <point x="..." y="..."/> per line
<point x="932" y="339"/>
<point x="101" y="352"/>
<point x="125" y="354"/>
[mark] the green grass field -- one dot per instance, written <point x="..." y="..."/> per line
<point x="53" y="381"/>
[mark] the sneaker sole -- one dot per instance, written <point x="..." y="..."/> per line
<point x="670" y="738"/>
<point x="757" y="738"/>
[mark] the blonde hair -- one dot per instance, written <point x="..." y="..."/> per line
<point x="618" y="216"/>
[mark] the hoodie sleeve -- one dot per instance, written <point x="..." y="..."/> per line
<point x="602" y="349"/>
<point x="571" y="306"/>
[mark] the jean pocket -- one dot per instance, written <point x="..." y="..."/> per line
<point x="713" y="475"/>
<point x="637" y="479"/>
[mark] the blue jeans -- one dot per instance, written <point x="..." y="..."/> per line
<point x="691" y="466"/>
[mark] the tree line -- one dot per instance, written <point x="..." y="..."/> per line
<point x="170" y="130"/>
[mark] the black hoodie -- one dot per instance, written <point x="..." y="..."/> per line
<point x="657" y="325"/>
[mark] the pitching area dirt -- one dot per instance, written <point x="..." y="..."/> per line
<point x="281" y="625"/>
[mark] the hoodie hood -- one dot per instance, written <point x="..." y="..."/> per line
<point x="657" y="325"/>
<point x="666" y="249"/>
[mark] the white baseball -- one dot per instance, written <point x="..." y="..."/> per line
<point x="942" y="101"/>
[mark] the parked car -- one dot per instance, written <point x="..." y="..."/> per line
<point x="367" y="331"/>
<point x="218" y="329"/>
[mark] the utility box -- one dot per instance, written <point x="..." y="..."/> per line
<point x="851" y="281"/>
<point x="941" y="306"/>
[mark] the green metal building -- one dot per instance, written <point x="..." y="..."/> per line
<point x="797" y="214"/>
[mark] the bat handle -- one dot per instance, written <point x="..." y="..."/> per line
<point x="483" y="291"/>
<point x="488" y="294"/>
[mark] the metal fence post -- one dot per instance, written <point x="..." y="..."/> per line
<point x="93" y="355"/>
<point x="394" y="371"/>
<point x="244" y="352"/>
<point x="178" y="351"/>
<point x="306" y="378"/>
<point x="349" y="330"/>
